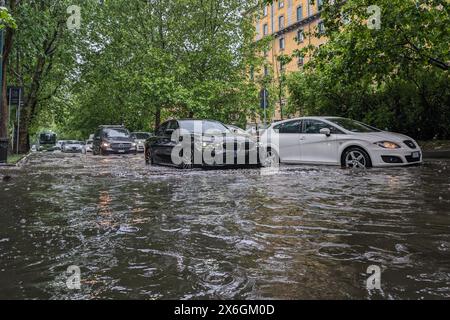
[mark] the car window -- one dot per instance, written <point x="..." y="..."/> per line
<point x="173" y="125"/>
<point x="311" y="126"/>
<point x="162" y="128"/>
<point x="289" y="127"/>
<point x="206" y="126"/>
<point x="141" y="136"/>
<point x="353" y="126"/>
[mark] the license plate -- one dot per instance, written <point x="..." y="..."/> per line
<point x="121" y="151"/>
<point x="416" y="155"/>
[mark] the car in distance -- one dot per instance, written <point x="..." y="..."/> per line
<point x="113" y="139"/>
<point x="338" y="141"/>
<point x="210" y="142"/>
<point x="72" y="146"/>
<point x="59" y="144"/>
<point x="87" y="148"/>
<point x="139" y="139"/>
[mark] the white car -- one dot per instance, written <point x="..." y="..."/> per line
<point x="139" y="139"/>
<point x="87" y="148"/>
<point x="72" y="147"/>
<point x="337" y="141"/>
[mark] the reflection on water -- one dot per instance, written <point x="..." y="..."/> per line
<point x="154" y="233"/>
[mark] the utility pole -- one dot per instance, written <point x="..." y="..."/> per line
<point x="4" y="112"/>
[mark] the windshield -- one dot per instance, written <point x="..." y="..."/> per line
<point x="117" y="133"/>
<point x="140" y="136"/>
<point x="73" y="142"/>
<point x="352" y="125"/>
<point x="205" y="126"/>
<point x="47" y="138"/>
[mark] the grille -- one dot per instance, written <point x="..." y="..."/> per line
<point x="121" y="145"/>
<point x="410" y="144"/>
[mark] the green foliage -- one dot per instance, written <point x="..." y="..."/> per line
<point x="395" y="77"/>
<point x="6" y="20"/>
<point x="143" y="63"/>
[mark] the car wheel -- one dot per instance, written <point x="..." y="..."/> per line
<point x="356" y="158"/>
<point x="187" y="161"/>
<point x="148" y="156"/>
<point x="271" y="159"/>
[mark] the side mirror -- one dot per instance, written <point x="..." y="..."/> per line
<point x="325" y="131"/>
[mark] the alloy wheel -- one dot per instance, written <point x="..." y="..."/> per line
<point x="356" y="159"/>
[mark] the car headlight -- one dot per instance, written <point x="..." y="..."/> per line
<point x="105" y="145"/>
<point x="387" y="145"/>
<point x="134" y="144"/>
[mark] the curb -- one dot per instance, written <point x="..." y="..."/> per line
<point x="19" y="163"/>
<point x="444" y="154"/>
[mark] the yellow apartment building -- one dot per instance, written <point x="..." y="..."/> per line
<point x="293" y="25"/>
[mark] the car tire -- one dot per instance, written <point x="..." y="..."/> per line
<point x="355" y="158"/>
<point x="148" y="156"/>
<point x="187" y="164"/>
<point x="271" y="158"/>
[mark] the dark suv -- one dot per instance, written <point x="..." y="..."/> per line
<point x="113" y="139"/>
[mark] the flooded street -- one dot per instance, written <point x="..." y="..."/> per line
<point x="140" y="232"/>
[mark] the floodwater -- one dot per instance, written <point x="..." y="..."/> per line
<point x="140" y="232"/>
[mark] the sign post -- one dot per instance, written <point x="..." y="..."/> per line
<point x="264" y="103"/>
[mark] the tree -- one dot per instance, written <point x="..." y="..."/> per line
<point x="395" y="76"/>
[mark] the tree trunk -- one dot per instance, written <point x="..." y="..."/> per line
<point x="157" y="117"/>
<point x="4" y="114"/>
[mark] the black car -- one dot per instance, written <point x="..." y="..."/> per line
<point x="113" y="139"/>
<point x="200" y="143"/>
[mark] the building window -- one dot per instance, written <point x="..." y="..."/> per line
<point x="299" y="13"/>
<point x="300" y="36"/>
<point x="309" y="7"/>
<point x="265" y="11"/>
<point x="266" y="71"/>
<point x="321" y="27"/>
<point x="301" y="61"/>
<point x="282" y="44"/>
<point x="319" y="5"/>
<point x="280" y="22"/>
<point x="265" y="29"/>
<point x="280" y="3"/>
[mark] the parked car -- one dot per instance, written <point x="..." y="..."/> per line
<point x="113" y="139"/>
<point x="72" y="146"/>
<point x="139" y="139"/>
<point x="215" y="144"/>
<point x="338" y="141"/>
<point x="87" y="148"/>
<point x="59" y="144"/>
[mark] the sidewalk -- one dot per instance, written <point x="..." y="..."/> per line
<point x="435" y="149"/>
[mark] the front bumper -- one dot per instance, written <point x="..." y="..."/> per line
<point x="396" y="157"/>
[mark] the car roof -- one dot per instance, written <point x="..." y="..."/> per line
<point x="306" y="118"/>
